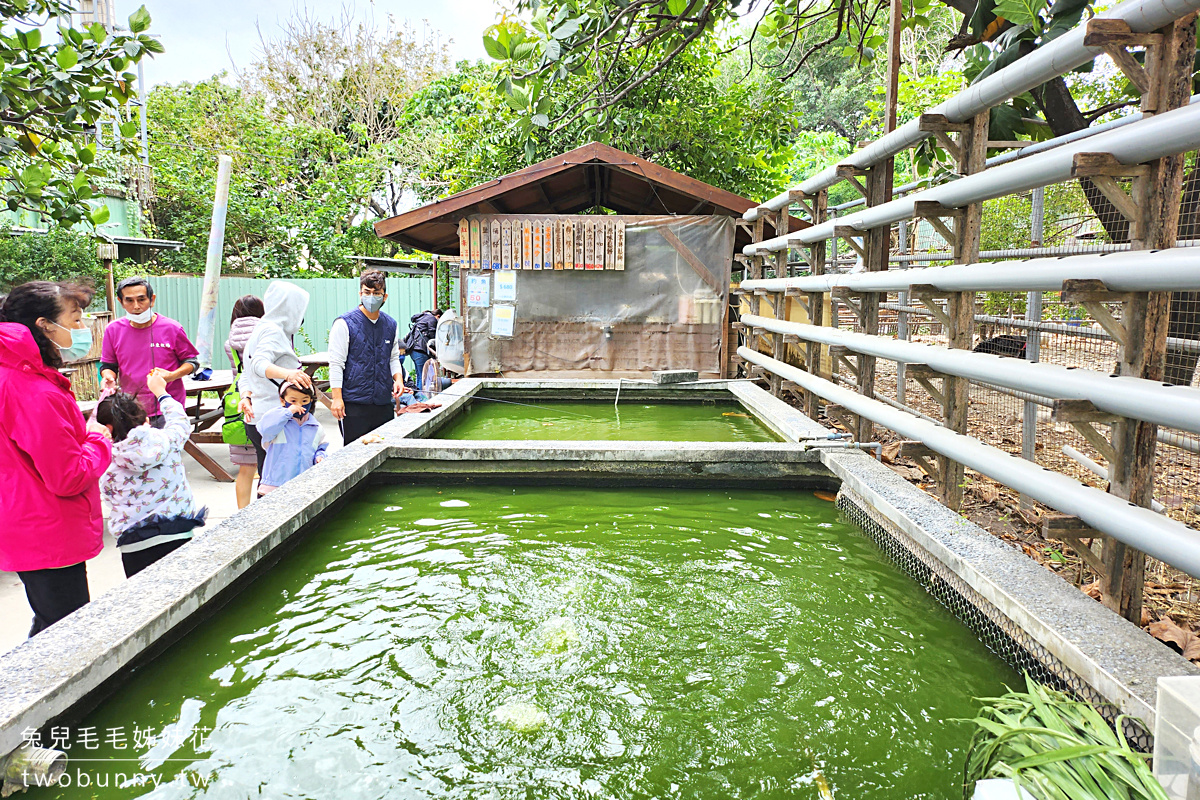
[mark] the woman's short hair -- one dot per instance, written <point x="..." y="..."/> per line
<point x="247" y="306"/>
<point x="123" y="412"/>
<point x="49" y="299"/>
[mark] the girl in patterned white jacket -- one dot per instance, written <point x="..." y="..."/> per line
<point x="153" y="511"/>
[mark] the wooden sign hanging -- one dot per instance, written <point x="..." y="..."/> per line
<point x="600" y="244"/>
<point x="568" y="226"/>
<point x="496" y="259"/>
<point x="547" y="243"/>
<point x="526" y="244"/>
<point x="475" y="244"/>
<point x="536" y="228"/>
<point x="577" y="228"/>
<point x="485" y="245"/>
<point x="556" y="231"/>
<point x="506" y="259"/>
<point x="619" y="245"/>
<point x="610" y="255"/>
<point x="464" y="243"/>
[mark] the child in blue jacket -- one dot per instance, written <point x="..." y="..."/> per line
<point x="293" y="438"/>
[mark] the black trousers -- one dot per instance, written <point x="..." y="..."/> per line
<point x="362" y="418"/>
<point x="54" y="593"/>
<point x="137" y="561"/>
<point x="260" y="452"/>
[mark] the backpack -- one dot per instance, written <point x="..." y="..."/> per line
<point x="233" y="429"/>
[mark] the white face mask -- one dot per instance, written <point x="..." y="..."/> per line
<point x="142" y="318"/>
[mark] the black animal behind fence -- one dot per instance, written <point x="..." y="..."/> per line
<point x="1004" y="345"/>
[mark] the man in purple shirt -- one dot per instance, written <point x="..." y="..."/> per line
<point x="142" y="342"/>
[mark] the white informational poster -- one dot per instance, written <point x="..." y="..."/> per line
<point x="506" y="286"/>
<point x="502" y="320"/>
<point x="477" y="291"/>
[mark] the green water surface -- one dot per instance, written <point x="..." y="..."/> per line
<point x="498" y="642"/>
<point x="665" y="422"/>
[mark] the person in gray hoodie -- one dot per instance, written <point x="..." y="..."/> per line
<point x="271" y="358"/>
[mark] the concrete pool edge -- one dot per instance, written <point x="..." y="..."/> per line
<point x="45" y="677"/>
<point x="1091" y="650"/>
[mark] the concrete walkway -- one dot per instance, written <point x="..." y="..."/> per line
<point x="105" y="571"/>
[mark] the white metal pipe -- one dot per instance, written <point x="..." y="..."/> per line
<point x="1176" y="269"/>
<point x="1174" y="343"/>
<point x="207" y="328"/>
<point x="1024" y="152"/>
<point x="1165" y="539"/>
<point x="1096" y="469"/>
<point x="1153" y="137"/>
<point x="1134" y="398"/>
<point x="1047" y="62"/>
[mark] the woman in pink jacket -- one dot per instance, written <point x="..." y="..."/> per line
<point x="51" y="460"/>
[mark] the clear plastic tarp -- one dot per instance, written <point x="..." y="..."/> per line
<point x="665" y="310"/>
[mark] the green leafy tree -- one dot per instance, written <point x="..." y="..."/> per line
<point x="296" y="192"/>
<point x="52" y="95"/>
<point x="688" y="118"/>
<point x="545" y="44"/>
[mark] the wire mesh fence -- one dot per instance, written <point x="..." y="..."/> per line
<point x="1067" y="219"/>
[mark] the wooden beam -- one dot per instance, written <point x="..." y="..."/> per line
<point x="848" y="233"/>
<point x="1146" y="317"/>
<point x="949" y="145"/>
<point x="850" y="174"/>
<point x="1072" y="530"/>
<point x="932" y="123"/>
<point x="1103" y="31"/>
<point x="927" y="296"/>
<point x="960" y="308"/>
<point x="690" y="257"/>
<point x="1091" y="165"/>
<point x="1079" y="411"/>
<point x="541" y="185"/>
<point x="816" y="304"/>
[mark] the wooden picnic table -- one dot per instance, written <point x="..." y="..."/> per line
<point x="202" y="418"/>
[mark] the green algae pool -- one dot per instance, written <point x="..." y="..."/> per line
<point x="632" y="421"/>
<point x="499" y="642"/>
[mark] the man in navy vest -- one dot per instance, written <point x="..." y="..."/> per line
<point x="365" y="376"/>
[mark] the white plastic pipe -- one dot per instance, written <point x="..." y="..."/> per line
<point x="1163" y="538"/>
<point x="1102" y="472"/>
<point x="206" y="331"/>
<point x="1177" y="269"/>
<point x="1161" y="135"/>
<point x="1134" y="398"/>
<point x="1047" y="62"/>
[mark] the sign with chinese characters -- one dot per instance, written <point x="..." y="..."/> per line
<point x="478" y="291"/>
<point x="506" y="287"/>
<point x="561" y="242"/>
<point x="502" y="319"/>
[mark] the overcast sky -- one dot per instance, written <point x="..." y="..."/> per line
<point x="200" y="37"/>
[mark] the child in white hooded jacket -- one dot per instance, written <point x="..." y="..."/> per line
<point x="152" y="508"/>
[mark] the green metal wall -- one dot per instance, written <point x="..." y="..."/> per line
<point x="329" y="298"/>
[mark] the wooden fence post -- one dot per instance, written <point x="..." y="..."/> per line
<point x="1157" y="195"/>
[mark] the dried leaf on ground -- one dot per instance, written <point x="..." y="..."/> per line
<point x="987" y="492"/>
<point x="1092" y="590"/>
<point x="891" y="452"/>
<point x="1184" y="641"/>
<point x="908" y="473"/>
